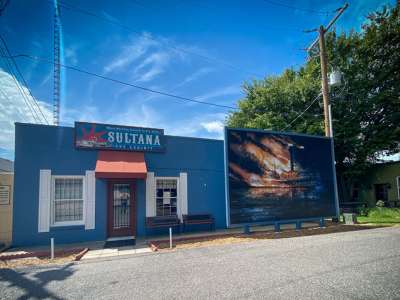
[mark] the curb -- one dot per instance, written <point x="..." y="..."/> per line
<point x="41" y="254"/>
<point x="81" y="254"/>
<point x="153" y="246"/>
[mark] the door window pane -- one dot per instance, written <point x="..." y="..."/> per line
<point x="121" y="205"/>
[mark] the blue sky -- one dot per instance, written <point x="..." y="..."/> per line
<point x="163" y="52"/>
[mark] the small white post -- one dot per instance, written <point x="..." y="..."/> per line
<point x="52" y="248"/>
<point x="170" y="238"/>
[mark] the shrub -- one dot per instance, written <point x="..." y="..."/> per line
<point x="362" y="211"/>
<point x="380" y="203"/>
<point x="384" y="212"/>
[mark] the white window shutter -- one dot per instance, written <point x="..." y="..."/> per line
<point x="150" y="195"/>
<point x="44" y="200"/>
<point x="90" y="200"/>
<point x="183" y="196"/>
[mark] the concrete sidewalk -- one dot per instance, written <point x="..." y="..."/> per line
<point x="120" y="251"/>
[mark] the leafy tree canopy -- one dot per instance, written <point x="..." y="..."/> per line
<point x="365" y="108"/>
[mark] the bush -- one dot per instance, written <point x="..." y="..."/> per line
<point x="362" y="211"/>
<point x="380" y="203"/>
<point x="381" y="215"/>
<point x="384" y="212"/>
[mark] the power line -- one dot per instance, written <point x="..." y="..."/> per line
<point x="123" y="82"/>
<point x="23" y="79"/>
<point x="6" y="96"/>
<point x="300" y="114"/>
<point x="299" y="8"/>
<point x="10" y="70"/>
<point x="137" y="32"/>
<point x="19" y="88"/>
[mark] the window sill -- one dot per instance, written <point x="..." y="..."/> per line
<point x="70" y="227"/>
<point x="67" y="226"/>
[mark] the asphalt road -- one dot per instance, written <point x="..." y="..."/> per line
<point x="353" y="265"/>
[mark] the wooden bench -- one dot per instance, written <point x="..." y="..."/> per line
<point x="162" y="221"/>
<point x="198" y="220"/>
<point x="352" y="206"/>
<point x="393" y="203"/>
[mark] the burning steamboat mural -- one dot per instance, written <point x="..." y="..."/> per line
<point x="278" y="176"/>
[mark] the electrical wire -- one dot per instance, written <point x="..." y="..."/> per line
<point x="123" y="82"/>
<point x="19" y="88"/>
<point x="18" y="112"/>
<point x="300" y="114"/>
<point x="165" y="44"/>
<point x="299" y="8"/>
<point x="23" y="80"/>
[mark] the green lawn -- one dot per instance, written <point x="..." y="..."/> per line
<point x="381" y="215"/>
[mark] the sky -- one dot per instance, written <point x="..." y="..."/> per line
<point x="202" y="50"/>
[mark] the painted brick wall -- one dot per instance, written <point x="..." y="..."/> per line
<point x="48" y="147"/>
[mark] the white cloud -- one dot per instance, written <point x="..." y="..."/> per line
<point x="147" y="57"/>
<point x="130" y="53"/>
<point x="135" y="115"/>
<point x="221" y="92"/>
<point x="70" y="54"/>
<point x="13" y="108"/>
<point x="110" y="17"/>
<point x="202" y="125"/>
<point x="194" y="76"/>
<point x="47" y="77"/>
<point x="213" y="126"/>
<point x="152" y="66"/>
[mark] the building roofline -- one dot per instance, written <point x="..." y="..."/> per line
<point x="71" y="127"/>
<point x="391" y="162"/>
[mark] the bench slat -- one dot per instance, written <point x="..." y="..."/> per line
<point x="164" y="221"/>
<point x="198" y="219"/>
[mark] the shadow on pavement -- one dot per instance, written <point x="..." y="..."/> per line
<point x="35" y="287"/>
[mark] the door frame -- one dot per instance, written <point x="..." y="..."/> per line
<point x="385" y="191"/>
<point x="131" y="231"/>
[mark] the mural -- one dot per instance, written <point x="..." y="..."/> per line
<point x="275" y="176"/>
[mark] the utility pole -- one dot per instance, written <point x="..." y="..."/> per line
<point x="324" y="68"/>
<point x="324" y="76"/>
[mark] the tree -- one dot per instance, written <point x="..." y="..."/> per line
<point x="365" y="109"/>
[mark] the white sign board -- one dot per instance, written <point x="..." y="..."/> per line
<point x="167" y="197"/>
<point x="4" y="194"/>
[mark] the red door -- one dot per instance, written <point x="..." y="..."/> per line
<point x="121" y="208"/>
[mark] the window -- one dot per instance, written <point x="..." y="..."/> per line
<point x="166" y="196"/>
<point x="381" y="192"/>
<point x="355" y="192"/>
<point x="398" y="187"/>
<point x="68" y="200"/>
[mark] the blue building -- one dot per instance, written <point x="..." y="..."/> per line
<point x="75" y="184"/>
